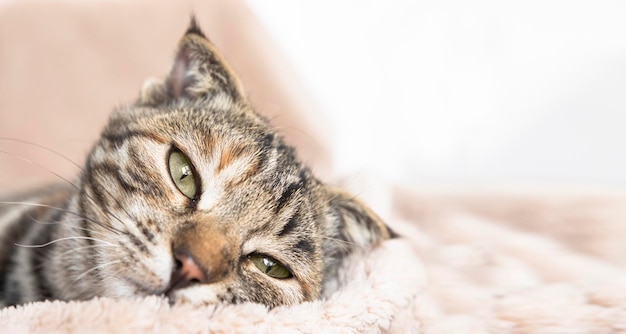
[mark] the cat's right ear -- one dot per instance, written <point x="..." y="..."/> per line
<point x="199" y="71"/>
<point x="354" y="222"/>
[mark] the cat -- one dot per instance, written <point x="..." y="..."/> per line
<point x="188" y="194"/>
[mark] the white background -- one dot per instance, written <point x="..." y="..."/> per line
<point x="465" y="93"/>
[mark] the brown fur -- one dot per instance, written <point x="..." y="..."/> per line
<point x="126" y="230"/>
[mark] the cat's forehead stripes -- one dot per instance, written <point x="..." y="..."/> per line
<point x="221" y="173"/>
<point x="296" y="185"/>
<point x="116" y="135"/>
<point x="290" y="225"/>
<point x="229" y="155"/>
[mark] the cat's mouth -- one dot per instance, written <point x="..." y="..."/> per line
<point x="179" y="280"/>
<point x="170" y="292"/>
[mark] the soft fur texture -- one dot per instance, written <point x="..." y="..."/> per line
<point x="187" y="193"/>
<point x="498" y="263"/>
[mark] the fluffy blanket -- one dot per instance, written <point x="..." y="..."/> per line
<point x="497" y="263"/>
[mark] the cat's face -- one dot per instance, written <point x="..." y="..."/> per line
<point x="191" y="194"/>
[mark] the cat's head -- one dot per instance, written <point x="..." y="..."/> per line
<point x="199" y="199"/>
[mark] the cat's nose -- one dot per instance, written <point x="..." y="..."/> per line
<point x="202" y="255"/>
<point x="186" y="271"/>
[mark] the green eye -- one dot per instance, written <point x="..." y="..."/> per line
<point x="270" y="266"/>
<point x="182" y="174"/>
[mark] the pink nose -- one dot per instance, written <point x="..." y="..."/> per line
<point x="186" y="271"/>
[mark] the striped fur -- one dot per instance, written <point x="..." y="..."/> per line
<point x="124" y="229"/>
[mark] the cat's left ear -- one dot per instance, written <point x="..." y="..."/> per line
<point x="354" y="222"/>
<point x="199" y="70"/>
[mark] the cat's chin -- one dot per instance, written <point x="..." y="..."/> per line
<point x="199" y="295"/>
<point x="196" y="295"/>
<point x="130" y="288"/>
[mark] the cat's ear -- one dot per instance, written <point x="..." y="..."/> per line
<point x="354" y="222"/>
<point x="199" y="70"/>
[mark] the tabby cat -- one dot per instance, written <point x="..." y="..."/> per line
<point x="188" y="194"/>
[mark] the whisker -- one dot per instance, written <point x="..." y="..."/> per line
<point x="106" y="226"/>
<point x="66" y="222"/>
<point x="58" y="175"/>
<point x="86" y="273"/>
<point x="41" y="167"/>
<point x="43" y="148"/>
<point x="78" y="249"/>
<point x="95" y="268"/>
<point x="73" y="250"/>
<point x="40" y="205"/>
<point x="107" y="211"/>
<point x="344" y="244"/>
<point x="298" y="130"/>
<point x="64" y="239"/>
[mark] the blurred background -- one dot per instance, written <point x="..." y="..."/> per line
<point x="465" y="93"/>
<point x="432" y="93"/>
